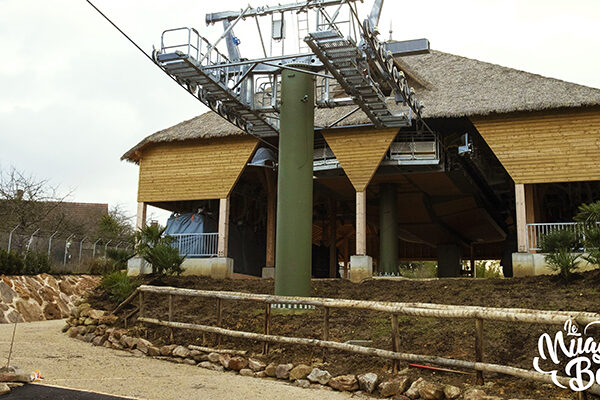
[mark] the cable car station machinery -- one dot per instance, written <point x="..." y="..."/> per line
<point x="272" y="93"/>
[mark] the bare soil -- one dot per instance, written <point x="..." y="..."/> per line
<point x="505" y="343"/>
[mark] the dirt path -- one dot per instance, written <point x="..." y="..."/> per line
<point x="75" y="364"/>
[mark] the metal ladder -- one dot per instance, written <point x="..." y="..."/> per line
<point x="215" y="95"/>
<point x="303" y="30"/>
<point x="342" y="57"/>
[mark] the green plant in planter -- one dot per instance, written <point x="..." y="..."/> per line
<point x="156" y="248"/>
<point x="589" y="217"/>
<point x="562" y="251"/>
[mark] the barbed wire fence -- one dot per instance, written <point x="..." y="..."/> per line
<point x="67" y="252"/>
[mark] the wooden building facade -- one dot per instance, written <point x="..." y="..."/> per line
<point x="509" y="150"/>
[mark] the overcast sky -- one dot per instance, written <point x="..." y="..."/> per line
<point x="75" y="95"/>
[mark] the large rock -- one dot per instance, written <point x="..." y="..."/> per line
<point x="98" y="340"/>
<point x="224" y="360"/>
<point x="368" y="382"/>
<point x="30" y="311"/>
<point x="108" y="319"/>
<point x="303" y="383"/>
<point x="153" y="351"/>
<point x="4" y="389"/>
<point x="344" y="383"/>
<point x="394" y="386"/>
<point x="246" y="372"/>
<point x="451" y="392"/>
<point x="271" y="370"/>
<point x="167" y="350"/>
<point x="431" y="391"/>
<point x="143" y="345"/>
<point x="181" y="351"/>
<point x="283" y="371"/>
<point x="413" y="391"/>
<point x="6" y="293"/>
<point x="319" y="376"/>
<point x="300" y="372"/>
<point x="211" y="366"/>
<point x="255" y="365"/>
<point x="238" y="363"/>
<point x="475" y="394"/>
<point x="213" y="357"/>
<point x="96" y="314"/>
<point x="52" y="311"/>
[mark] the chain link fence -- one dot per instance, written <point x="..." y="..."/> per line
<point x="67" y="252"/>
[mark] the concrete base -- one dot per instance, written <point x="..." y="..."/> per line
<point x="361" y="267"/>
<point x="217" y="267"/>
<point x="449" y="261"/>
<point x="526" y="264"/>
<point x="268" y="273"/>
<point x="138" y="266"/>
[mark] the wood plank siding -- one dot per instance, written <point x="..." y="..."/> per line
<point x="559" y="146"/>
<point x="199" y="170"/>
<point x="360" y="152"/>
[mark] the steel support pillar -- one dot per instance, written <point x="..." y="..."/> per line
<point x="388" y="228"/>
<point x="293" y="244"/>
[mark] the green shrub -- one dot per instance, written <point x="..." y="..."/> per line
<point x="11" y="263"/>
<point x="419" y="270"/>
<point x="36" y="263"/>
<point x="589" y="217"/>
<point x="119" y="256"/>
<point x="155" y="248"/>
<point x="118" y="285"/>
<point x="561" y="248"/>
<point x="102" y="265"/>
<point x="488" y="269"/>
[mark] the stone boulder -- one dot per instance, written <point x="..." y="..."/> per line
<point x="319" y="376"/>
<point x="452" y="392"/>
<point x="224" y="360"/>
<point x="246" y="372"/>
<point x="394" y="386"/>
<point x="283" y="371"/>
<point x="431" y="391"/>
<point x="413" y="391"/>
<point x="181" y="351"/>
<point x="300" y="372"/>
<point x="475" y="394"/>
<point x="271" y="370"/>
<point x="368" y="382"/>
<point x="238" y="363"/>
<point x="344" y="383"/>
<point x="255" y="365"/>
<point x="167" y="350"/>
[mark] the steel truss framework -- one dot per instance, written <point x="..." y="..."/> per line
<point x="351" y="65"/>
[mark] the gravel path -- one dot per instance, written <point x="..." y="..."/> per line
<point x="72" y="363"/>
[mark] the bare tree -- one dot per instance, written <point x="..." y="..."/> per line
<point x="28" y="202"/>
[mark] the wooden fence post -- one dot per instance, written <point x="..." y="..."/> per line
<point x="141" y="307"/>
<point x="219" y="318"/>
<point x="395" y="341"/>
<point x="479" y="347"/>
<point x="267" y="327"/>
<point x="325" y="329"/>
<point x="171" y="315"/>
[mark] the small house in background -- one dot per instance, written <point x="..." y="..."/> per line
<point x="512" y="156"/>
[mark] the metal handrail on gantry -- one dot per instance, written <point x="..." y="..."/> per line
<point x="346" y="56"/>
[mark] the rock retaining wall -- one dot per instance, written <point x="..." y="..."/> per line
<point x="41" y="297"/>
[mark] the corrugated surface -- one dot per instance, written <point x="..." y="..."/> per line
<point x="360" y="152"/>
<point x="193" y="170"/>
<point x="543" y="148"/>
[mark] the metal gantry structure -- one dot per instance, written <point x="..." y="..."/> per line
<point x="333" y="59"/>
<point x="352" y="66"/>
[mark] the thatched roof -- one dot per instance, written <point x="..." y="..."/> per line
<point x="452" y="86"/>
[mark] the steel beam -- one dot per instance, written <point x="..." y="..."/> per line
<point x="293" y="254"/>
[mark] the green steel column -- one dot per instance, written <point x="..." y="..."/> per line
<point x="388" y="228"/>
<point x="293" y="254"/>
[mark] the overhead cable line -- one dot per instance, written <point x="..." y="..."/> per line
<point x="150" y="58"/>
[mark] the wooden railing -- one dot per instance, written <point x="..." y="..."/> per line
<point x="479" y="314"/>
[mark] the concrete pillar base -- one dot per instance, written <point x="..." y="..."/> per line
<point x="361" y="268"/>
<point x="449" y="261"/>
<point x="268" y="273"/>
<point x="217" y="267"/>
<point x="138" y="266"/>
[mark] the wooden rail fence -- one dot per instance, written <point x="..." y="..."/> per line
<point x="479" y="314"/>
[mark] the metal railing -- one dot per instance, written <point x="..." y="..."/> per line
<point x="536" y="231"/>
<point x="196" y="244"/>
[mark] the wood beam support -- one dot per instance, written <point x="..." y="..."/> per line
<point x="223" y="227"/>
<point x="361" y="223"/>
<point x="142" y="209"/>
<point x="333" y="261"/>
<point x="521" y="212"/>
